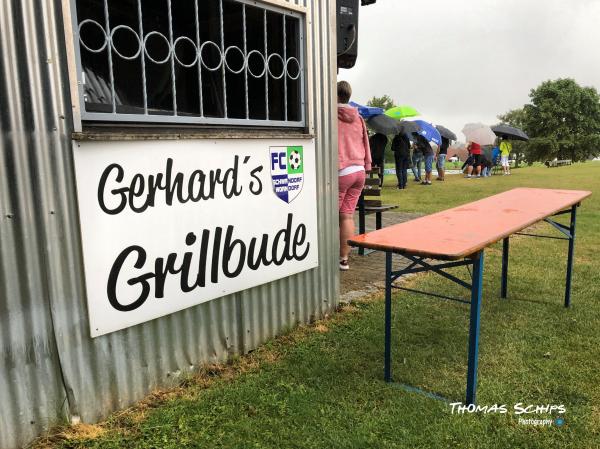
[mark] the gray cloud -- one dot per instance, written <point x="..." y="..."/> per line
<point x="459" y="61"/>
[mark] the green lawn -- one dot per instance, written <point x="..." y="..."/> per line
<point x="321" y="387"/>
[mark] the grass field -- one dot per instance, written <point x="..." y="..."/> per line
<point x="320" y="386"/>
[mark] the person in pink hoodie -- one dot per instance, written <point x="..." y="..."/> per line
<point x="354" y="157"/>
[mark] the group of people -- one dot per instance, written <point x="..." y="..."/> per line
<point x="354" y="158"/>
<point x="409" y="154"/>
<point x="478" y="165"/>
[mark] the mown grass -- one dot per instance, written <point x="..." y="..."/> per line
<point x="321" y="386"/>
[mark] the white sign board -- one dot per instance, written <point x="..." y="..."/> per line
<point x="167" y="225"/>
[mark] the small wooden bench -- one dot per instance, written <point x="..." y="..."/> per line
<point x="560" y="163"/>
<point x="370" y="203"/>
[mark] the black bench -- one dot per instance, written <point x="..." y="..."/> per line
<point x="367" y="205"/>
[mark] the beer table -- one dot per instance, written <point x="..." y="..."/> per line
<point x="458" y="237"/>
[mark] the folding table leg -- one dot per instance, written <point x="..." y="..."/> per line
<point x="361" y="223"/>
<point x="504" y="285"/>
<point x="387" y="369"/>
<point x="476" y="291"/>
<point x="570" y="257"/>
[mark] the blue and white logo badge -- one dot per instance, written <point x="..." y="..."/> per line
<point x="287" y="172"/>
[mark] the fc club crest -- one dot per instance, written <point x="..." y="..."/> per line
<point x="287" y="172"/>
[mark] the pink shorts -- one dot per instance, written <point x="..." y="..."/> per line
<point x="350" y="189"/>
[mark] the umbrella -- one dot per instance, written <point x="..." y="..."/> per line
<point x="408" y="127"/>
<point x="429" y="131"/>
<point x="479" y="133"/>
<point x="388" y="126"/>
<point x="384" y="124"/>
<point x="366" y="111"/>
<point x="400" y="112"/>
<point x="509" y="132"/>
<point x="445" y="132"/>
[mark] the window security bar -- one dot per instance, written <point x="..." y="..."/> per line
<point x="221" y="62"/>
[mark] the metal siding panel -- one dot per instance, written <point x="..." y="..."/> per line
<point x="50" y="369"/>
<point x="31" y="388"/>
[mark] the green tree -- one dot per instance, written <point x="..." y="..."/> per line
<point x="384" y="102"/>
<point x="562" y="121"/>
<point x="514" y="117"/>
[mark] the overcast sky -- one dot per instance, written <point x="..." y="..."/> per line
<point x="459" y="61"/>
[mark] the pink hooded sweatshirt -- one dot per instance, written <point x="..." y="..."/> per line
<point x="353" y="140"/>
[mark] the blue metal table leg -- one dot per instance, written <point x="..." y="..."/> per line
<point x="504" y="285"/>
<point x="387" y="368"/>
<point x="570" y="257"/>
<point x="476" y="290"/>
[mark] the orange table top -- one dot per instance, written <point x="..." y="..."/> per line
<point x="464" y="230"/>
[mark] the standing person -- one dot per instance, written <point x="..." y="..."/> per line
<point x="378" y="142"/>
<point x="417" y="157"/>
<point x="441" y="159"/>
<point x="354" y="157"/>
<point x="505" y="150"/>
<point x="401" y="149"/>
<point x="475" y="150"/>
<point x="428" y="153"/>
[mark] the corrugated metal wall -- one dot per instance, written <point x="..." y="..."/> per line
<point x="50" y="369"/>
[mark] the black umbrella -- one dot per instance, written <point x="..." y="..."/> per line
<point x="509" y="132"/>
<point x="445" y="132"/>
<point x="384" y="124"/>
<point x="408" y="127"/>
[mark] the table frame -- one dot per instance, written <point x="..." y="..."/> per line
<point x="419" y="264"/>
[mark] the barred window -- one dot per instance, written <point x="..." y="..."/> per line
<point x="220" y="62"/>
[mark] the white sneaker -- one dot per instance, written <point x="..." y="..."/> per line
<point x="344" y="265"/>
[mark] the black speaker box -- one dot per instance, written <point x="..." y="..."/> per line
<point x="347" y="33"/>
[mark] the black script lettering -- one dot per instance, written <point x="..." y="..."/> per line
<point x="136" y="191"/>
<point x="255" y="262"/>
<point x="190" y="239"/>
<point x="141" y="193"/>
<point x="285" y="252"/>
<point x="201" y="280"/>
<point x="120" y="192"/>
<point x="227" y="250"/>
<point x="299" y="237"/>
<point x="161" y="270"/>
<point x="172" y="186"/>
<point x="256" y="187"/>
<point x="155" y="183"/>
<point x="201" y="177"/>
<point x="214" y="271"/>
<point x="113" y="277"/>
<point x="230" y="180"/>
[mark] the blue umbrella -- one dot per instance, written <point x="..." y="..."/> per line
<point x="366" y="111"/>
<point x="429" y="131"/>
